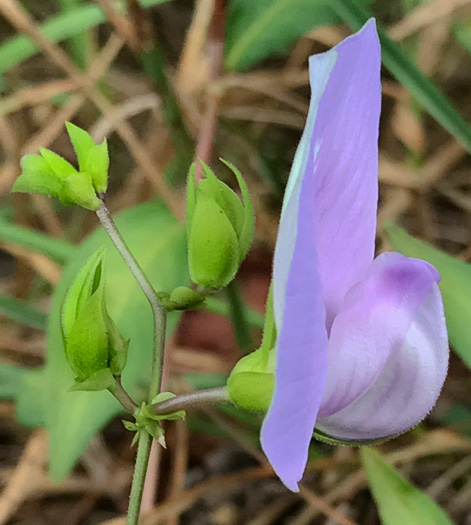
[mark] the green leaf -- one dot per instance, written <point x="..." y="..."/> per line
<point x="160" y="397"/>
<point x="80" y="46"/>
<point x="78" y="190"/>
<point x="97" y="164"/>
<point x="399" y="502"/>
<point x="58" y="165"/>
<point x="21" y="312"/>
<point x="459" y="417"/>
<point x="72" y="418"/>
<point x="82" y="143"/>
<point x="58" y="28"/>
<point x="421" y="87"/>
<point x="57" y="249"/>
<point x="462" y="34"/>
<point x="37" y="177"/>
<point x="92" y="158"/>
<point x="455" y="286"/>
<point x="32" y="398"/>
<point x="258" y="29"/>
<point x="10" y="380"/>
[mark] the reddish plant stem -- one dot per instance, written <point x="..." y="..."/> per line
<point x="216" y="53"/>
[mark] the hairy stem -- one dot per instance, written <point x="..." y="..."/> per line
<point x="159" y="314"/>
<point x="123" y="397"/>
<point x="140" y="469"/>
<point x="158" y="311"/>
<point x="204" y="146"/>
<point x="195" y="399"/>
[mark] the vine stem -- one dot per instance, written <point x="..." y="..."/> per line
<point x="191" y="400"/>
<point x="198" y="398"/>
<point x="142" y="460"/>
<point x="158" y="311"/>
<point x="123" y="397"/>
<point x="159" y="314"/>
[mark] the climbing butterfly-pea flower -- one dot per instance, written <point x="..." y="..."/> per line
<point x="362" y="348"/>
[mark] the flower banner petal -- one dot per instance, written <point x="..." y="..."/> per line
<point x="401" y="357"/>
<point x="301" y="349"/>
<point x="344" y="144"/>
<point x="298" y="299"/>
<point x="299" y="313"/>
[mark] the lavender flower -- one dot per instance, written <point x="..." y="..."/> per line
<point x="362" y="349"/>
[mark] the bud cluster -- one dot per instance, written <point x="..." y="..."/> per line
<point x="47" y="173"/>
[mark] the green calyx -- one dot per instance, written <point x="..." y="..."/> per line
<point x="251" y="382"/>
<point x="47" y="173"/>
<point x="220" y="227"/>
<point x="95" y="349"/>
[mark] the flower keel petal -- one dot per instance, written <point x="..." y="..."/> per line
<point x="373" y="324"/>
<point x="407" y="386"/>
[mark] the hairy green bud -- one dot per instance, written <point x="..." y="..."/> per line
<point x="251" y="382"/>
<point x="220" y="227"/>
<point x="95" y="350"/>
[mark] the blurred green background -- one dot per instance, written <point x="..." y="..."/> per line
<point x="164" y="81"/>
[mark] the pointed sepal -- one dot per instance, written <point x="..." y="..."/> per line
<point x="92" y="341"/>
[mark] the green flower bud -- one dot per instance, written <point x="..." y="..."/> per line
<point x="251" y="382"/>
<point x="49" y="174"/>
<point x="94" y="348"/>
<point x="220" y="228"/>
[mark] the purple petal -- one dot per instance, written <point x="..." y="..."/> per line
<point x="301" y="344"/>
<point x="388" y="352"/>
<point x="299" y="313"/>
<point x="345" y="146"/>
<point x="337" y="116"/>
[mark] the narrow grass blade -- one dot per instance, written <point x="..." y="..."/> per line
<point x="58" y="28"/>
<point x="422" y="88"/>
<point x="57" y="249"/>
<point x="22" y="313"/>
